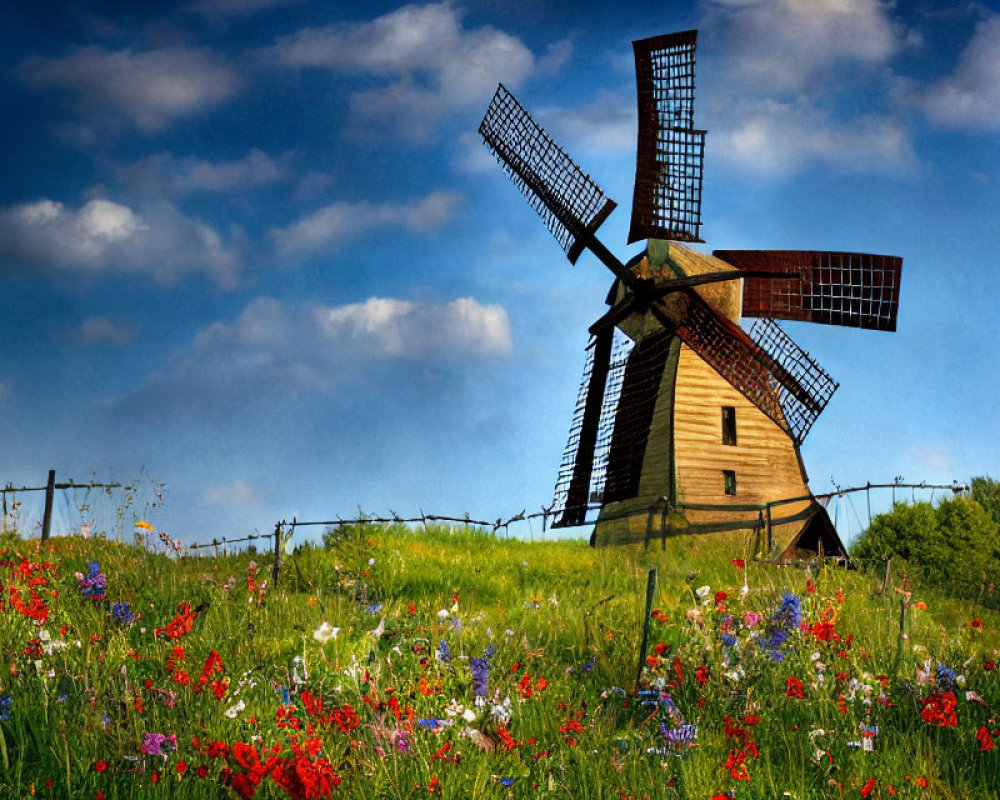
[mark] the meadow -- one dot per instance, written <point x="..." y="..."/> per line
<point x="399" y="663"/>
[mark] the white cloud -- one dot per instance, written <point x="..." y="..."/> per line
<point x="605" y="125"/>
<point x="107" y="237"/>
<point x="969" y="98"/>
<point x="235" y="494"/>
<point x="433" y="65"/>
<point x="774" y="138"/>
<point x="101" y="330"/>
<point x="773" y="99"/>
<point x="789" y="45"/>
<point x="275" y="347"/>
<point x="336" y="223"/>
<point x="151" y="89"/>
<point x="165" y="172"/>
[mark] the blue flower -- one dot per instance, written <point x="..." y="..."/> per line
<point x="780" y="626"/>
<point x="945" y="677"/>
<point x="122" y="614"/>
<point x="480" y="676"/>
<point x="444" y="652"/>
<point x="6" y="701"/>
<point x="681" y="736"/>
<point x="93" y="585"/>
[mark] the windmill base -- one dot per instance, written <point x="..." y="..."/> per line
<point x="780" y="532"/>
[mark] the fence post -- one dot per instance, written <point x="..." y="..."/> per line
<point x="50" y="490"/>
<point x="885" y="577"/>
<point x="650" y="591"/>
<point x="277" y="553"/>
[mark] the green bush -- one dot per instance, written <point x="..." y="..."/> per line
<point x="954" y="546"/>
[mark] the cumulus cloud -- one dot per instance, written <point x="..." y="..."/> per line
<point x="790" y="45"/>
<point x="772" y="138"/>
<point x="336" y="223"/>
<point x="106" y="237"/>
<point x="164" y="172"/>
<point x="969" y="98"/>
<point x="150" y="89"/>
<point x="431" y="63"/>
<point x="280" y="347"/>
<point x="771" y="105"/>
<point x="101" y="330"/>
<point x="229" y="495"/>
<point x="606" y="124"/>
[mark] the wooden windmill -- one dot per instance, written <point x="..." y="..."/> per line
<point x="685" y="422"/>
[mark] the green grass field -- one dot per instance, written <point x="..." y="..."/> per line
<point x="458" y="665"/>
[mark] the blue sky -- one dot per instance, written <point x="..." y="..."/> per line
<point x="255" y="250"/>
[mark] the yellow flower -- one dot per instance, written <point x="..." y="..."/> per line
<point x="144" y="525"/>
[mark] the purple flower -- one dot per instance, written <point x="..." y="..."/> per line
<point x="480" y="676"/>
<point x="154" y="743"/>
<point x="93" y="585"/>
<point x="122" y="614"/>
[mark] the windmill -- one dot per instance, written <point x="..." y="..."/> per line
<point x="684" y="421"/>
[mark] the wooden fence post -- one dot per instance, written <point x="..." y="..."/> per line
<point x="650" y="592"/>
<point x="277" y="554"/>
<point x="50" y="490"/>
<point x="885" y="577"/>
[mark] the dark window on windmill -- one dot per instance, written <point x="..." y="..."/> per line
<point x="729" y="425"/>
<point x="729" y="476"/>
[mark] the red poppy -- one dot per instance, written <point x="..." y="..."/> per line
<point x="794" y="688"/>
<point x="939" y="709"/>
<point x="985" y="740"/>
<point x="868" y="788"/>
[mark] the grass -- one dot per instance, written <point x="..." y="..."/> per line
<point x="282" y="714"/>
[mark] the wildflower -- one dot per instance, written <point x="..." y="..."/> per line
<point x="939" y="709"/>
<point x="975" y="624"/>
<point x="780" y="626"/>
<point x="122" y="614"/>
<point x="153" y="744"/>
<point x="92" y="585"/>
<point x="945" y="677"/>
<point x="989" y="665"/>
<point x="738" y="563"/>
<point x="681" y="736"/>
<point x="179" y="625"/>
<point x="143" y="525"/>
<point x="794" y="688"/>
<point x="325" y="633"/>
<point x="985" y="740"/>
<point x="6" y="701"/>
<point x="868" y="788"/>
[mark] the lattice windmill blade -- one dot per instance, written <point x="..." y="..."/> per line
<point x="857" y="290"/>
<point x="666" y="202"/>
<point x="771" y="371"/>
<point x="577" y="472"/>
<point x="570" y="203"/>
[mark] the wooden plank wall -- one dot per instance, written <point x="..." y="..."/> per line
<point x="764" y="458"/>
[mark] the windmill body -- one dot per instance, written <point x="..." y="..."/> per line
<point x="685" y="421"/>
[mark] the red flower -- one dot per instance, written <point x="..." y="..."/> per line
<point x="985" y="740"/>
<point x="181" y="767"/>
<point x="794" y="688"/>
<point x="738" y="563"/>
<point x="976" y="624"/>
<point x="810" y="586"/>
<point x="702" y="674"/>
<point x="720" y="597"/>
<point x="939" y="709"/>
<point x="101" y="766"/>
<point x="868" y="788"/>
<point x="989" y="665"/>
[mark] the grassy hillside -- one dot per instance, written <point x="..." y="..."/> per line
<point x="405" y="664"/>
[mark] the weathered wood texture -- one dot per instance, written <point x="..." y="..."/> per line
<point x="764" y="459"/>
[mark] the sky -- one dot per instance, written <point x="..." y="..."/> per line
<point x="255" y="251"/>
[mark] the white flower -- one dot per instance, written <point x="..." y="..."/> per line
<point x="325" y="633"/>
<point x="233" y="711"/>
<point x="469" y="715"/>
<point x="442" y="614"/>
<point x="371" y="562"/>
<point x="377" y="632"/>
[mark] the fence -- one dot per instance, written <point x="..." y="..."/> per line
<point x="12" y="507"/>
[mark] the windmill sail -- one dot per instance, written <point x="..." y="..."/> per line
<point x="856" y="290"/>
<point x="666" y="202"/>
<point x="569" y="202"/>
<point x="772" y="372"/>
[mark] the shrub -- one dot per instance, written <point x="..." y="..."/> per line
<point x="954" y="546"/>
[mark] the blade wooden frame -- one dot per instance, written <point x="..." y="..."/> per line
<point x="666" y="200"/>
<point x="570" y="203"/>
<point x="855" y="290"/>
